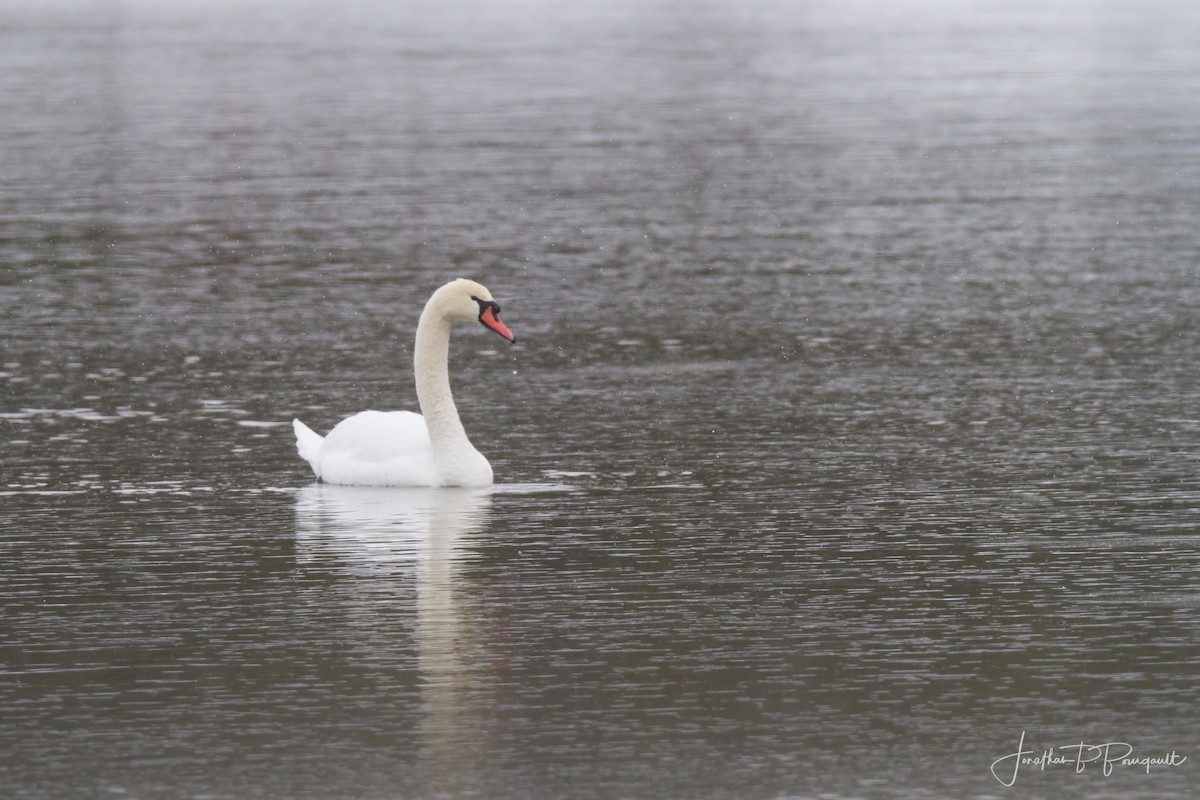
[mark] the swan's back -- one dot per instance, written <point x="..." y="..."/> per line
<point x="376" y="448"/>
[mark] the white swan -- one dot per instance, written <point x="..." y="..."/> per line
<point x="400" y="448"/>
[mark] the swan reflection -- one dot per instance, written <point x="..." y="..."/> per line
<point x="383" y="537"/>
<point x="371" y="530"/>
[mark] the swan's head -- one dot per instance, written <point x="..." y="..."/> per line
<point x="466" y="301"/>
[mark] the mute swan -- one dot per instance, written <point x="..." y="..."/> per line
<point x="400" y="448"/>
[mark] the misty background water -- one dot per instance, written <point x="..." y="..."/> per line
<point x="851" y="429"/>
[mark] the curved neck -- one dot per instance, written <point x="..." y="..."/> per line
<point x="431" y="355"/>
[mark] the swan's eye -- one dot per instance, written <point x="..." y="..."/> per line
<point x="484" y="305"/>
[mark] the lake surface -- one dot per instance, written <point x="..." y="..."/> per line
<point x="850" y="435"/>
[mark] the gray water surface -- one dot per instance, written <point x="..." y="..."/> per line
<point x="850" y="433"/>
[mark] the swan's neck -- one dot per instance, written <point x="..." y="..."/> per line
<point x="431" y="358"/>
<point x="454" y="454"/>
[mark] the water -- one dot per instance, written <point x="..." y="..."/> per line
<point x="850" y="432"/>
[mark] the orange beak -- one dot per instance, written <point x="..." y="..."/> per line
<point x="489" y="318"/>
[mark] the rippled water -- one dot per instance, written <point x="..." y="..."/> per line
<point x="850" y="432"/>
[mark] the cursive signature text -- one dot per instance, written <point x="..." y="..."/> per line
<point x="1106" y="757"/>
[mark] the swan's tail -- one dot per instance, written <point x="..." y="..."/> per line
<point x="308" y="443"/>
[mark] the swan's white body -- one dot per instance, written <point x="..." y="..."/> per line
<point x="400" y="448"/>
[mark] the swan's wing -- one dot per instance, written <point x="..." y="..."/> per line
<point x="377" y="448"/>
<point x="378" y="436"/>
